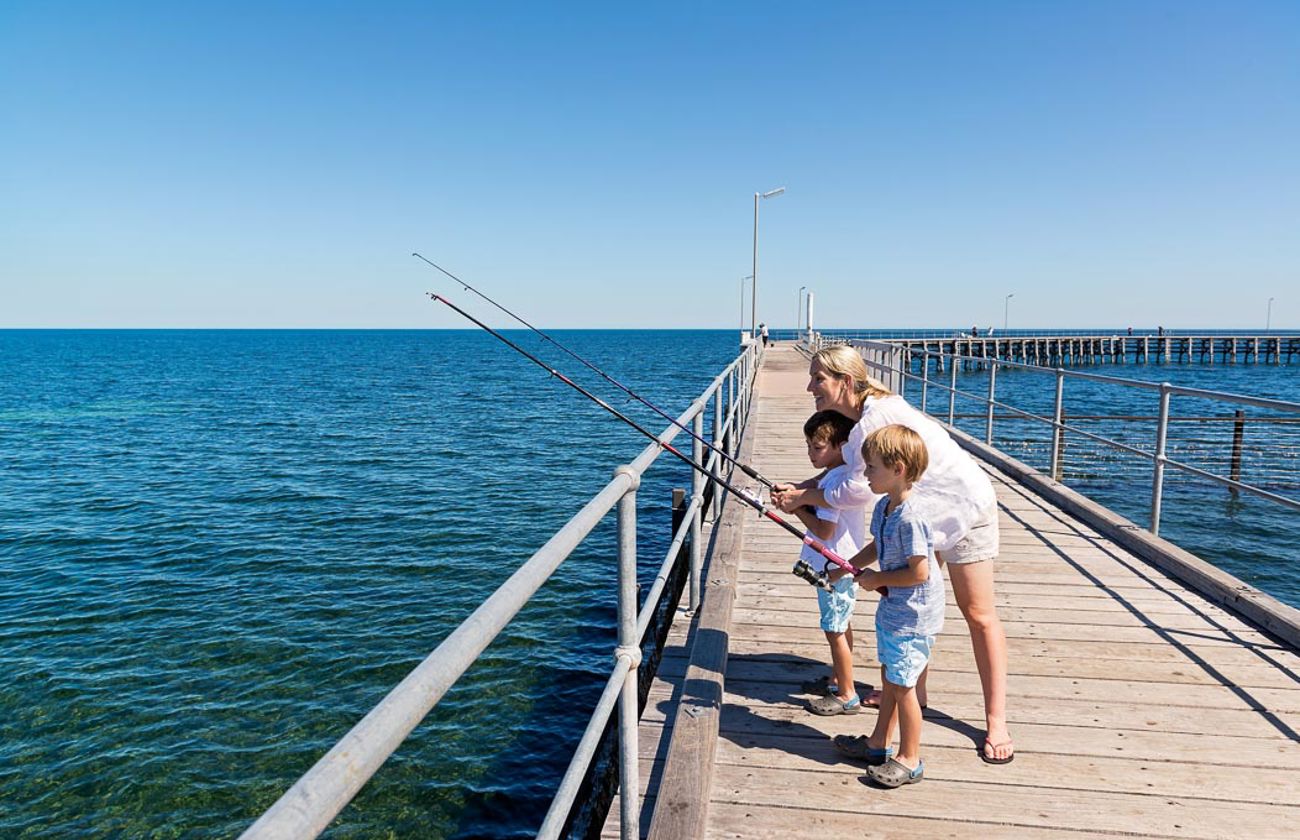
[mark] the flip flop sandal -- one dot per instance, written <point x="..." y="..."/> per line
<point x="859" y="747"/>
<point x="987" y="759"/>
<point x="894" y="774"/>
<point x="832" y="705"/>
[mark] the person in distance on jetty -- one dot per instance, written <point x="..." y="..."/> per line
<point x="826" y="432"/>
<point x="910" y="614"/>
<point x="956" y="498"/>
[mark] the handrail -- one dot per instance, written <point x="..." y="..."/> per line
<point x="1000" y="334"/>
<point x="894" y="362"/>
<point x="308" y="807"/>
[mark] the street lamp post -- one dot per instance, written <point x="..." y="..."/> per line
<point x="742" y="301"/>
<point x="1006" y="310"/>
<point x="753" y="290"/>
<point x="1268" y="322"/>
<point x="798" y="312"/>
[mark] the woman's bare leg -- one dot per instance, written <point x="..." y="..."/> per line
<point x="972" y="584"/>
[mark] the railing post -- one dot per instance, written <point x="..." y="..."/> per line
<point x="1238" y="433"/>
<point x="988" y="420"/>
<point x="952" y="387"/>
<point x="925" y="376"/>
<point x="629" y="647"/>
<point x="719" y="468"/>
<point x="1057" y="430"/>
<point x="697" y="489"/>
<point x="1158" y="479"/>
<point x="744" y="388"/>
<point x="731" y="410"/>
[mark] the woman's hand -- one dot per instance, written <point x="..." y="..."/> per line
<point x="787" y="497"/>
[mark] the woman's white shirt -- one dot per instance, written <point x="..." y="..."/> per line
<point x="953" y="494"/>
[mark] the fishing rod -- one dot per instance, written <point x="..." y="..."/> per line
<point x="745" y="468"/>
<point x="763" y="510"/>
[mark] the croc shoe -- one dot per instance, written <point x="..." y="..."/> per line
<point x="859" y="747"/>
<point x="832" y="705"/>
<point x="894" y="773"/>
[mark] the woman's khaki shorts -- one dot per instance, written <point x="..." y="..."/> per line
<point x="980" y="543"/>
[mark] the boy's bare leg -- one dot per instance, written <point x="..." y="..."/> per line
<point x="909" y="724"/>
<point x="883" y="735"/>
<point x="972" y="584"/>
<point x="841" y="664"/>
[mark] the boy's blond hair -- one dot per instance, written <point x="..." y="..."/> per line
<point x="828" y="427"/>
<point x="898" y="445"/>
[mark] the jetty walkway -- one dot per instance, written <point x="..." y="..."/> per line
<point x="1138" y="706"/>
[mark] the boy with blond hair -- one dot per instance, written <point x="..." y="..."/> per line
<point x="910" y="614"/>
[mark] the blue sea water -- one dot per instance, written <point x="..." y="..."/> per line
<point x="219" y="549"/>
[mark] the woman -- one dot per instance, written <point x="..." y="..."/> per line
<point x="957" y="498"/>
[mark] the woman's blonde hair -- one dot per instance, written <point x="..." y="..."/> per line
<point x="844" y="361"/>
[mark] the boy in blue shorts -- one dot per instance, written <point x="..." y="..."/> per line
<point x="909" y="616"/>
<point x="826" y="433"/>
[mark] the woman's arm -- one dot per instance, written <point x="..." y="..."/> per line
<point x="792" y="499"/>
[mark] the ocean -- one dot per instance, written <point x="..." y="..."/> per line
<point x="219" y="549"/>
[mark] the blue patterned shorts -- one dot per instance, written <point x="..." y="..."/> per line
<point x="837" y="607"/>
<point x="904" y="655"/>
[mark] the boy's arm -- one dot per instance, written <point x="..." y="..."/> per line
<point x="822" y="529"/>
<point x="864" y="558"/>
<point x="917" y="571"/>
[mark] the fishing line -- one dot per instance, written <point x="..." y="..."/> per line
<point x="807" y="539"/>
<point x="745" y="468"/>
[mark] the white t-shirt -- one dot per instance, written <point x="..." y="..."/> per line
<point x="850" y="529"/>
<point x="952" y="495"/>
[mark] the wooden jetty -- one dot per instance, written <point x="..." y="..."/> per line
<point x="1070" y="351"/>
<point x="1139" y="707"/>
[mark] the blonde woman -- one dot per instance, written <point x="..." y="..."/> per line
<point x="957" y="499"/>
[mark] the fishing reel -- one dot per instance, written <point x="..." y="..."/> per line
<point x="803" y="569"/>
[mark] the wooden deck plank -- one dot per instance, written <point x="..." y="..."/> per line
<point x="978" y="805"/>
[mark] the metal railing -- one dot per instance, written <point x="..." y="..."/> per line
<point x="934" y="334"/>
<point x="894" y="364"/>
<point x="308" y="807"/>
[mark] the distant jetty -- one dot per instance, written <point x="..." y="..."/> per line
<point x="1074" y="350"/>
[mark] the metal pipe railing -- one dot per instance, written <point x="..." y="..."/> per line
<point x="629" y="650"/>
<point x="308" y="807"/>
<point x="888" y="367"/>
<point x="697" y="490"/>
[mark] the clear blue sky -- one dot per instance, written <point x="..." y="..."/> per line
<point x="251" y="164"/>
